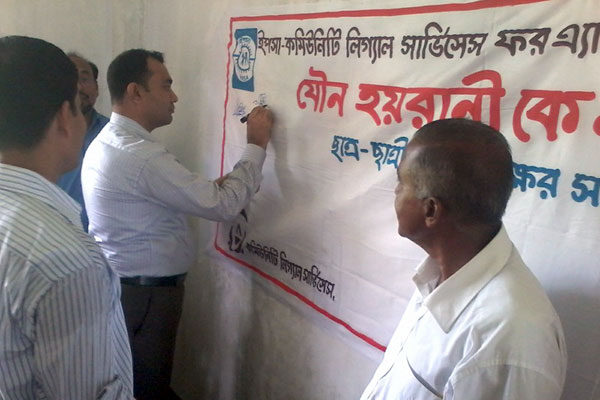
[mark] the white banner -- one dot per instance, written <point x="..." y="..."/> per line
<point x="349" y="88"/>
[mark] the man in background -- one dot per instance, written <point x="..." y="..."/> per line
<point x="62" y="333"/>
<point x="138" y="195"/>
<point x="479" y="325"/>
<point x="88" y="93"/>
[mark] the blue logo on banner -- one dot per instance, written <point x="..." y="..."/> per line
<point x="244" y="56"/>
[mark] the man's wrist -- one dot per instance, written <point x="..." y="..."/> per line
<point x="255" y="154"/>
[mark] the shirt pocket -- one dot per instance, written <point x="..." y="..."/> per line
<point x="408" y="384"/>
<point x="401" y="382"/>
<point x="427" y="391"/>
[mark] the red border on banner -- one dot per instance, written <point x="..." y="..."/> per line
<point x="392" y="12"/>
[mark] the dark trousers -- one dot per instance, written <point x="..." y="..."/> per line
<point x="152" y="315"/>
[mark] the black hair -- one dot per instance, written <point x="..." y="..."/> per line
<point x="36" y="78"/>
<point x="467" y="165"/>
<point x="94" y="70"/>
<point x="129" y="66"/>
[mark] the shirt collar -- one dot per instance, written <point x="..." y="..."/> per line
<point x="130" y="126"/>
<point x="26" y="182"/>
<point x="447" y="301"/>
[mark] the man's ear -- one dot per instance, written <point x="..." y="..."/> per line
<point x="433" y="209"/>
<point x="133" y="92"/>
<point x="62" y="121"/>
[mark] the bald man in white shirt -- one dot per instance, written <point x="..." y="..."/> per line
<point x="479" y="325"/>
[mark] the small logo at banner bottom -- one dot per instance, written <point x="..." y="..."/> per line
<point x="237" y="233"/>
<point x="244" y="56"/>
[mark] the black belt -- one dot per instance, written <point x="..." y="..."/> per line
<point x="153" y="280"/>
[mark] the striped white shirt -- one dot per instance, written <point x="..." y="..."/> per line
<point x="62" y="332"/>
<point x="137" y="196"/>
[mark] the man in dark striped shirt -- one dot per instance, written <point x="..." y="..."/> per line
<point x="62" y="333"/>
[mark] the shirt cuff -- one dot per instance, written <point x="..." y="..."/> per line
<point x="255" y="154"/>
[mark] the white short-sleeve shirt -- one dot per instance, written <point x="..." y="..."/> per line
<point x="488" y="332"/>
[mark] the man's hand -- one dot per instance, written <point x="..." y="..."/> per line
<point x="219" y="181"/>
<point x="258" y="128"/>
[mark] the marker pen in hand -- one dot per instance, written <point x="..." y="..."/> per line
<point x="245" y="117"/>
